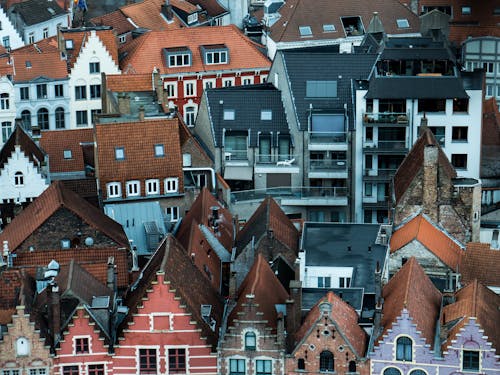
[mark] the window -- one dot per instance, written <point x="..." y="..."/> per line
<point x="81" y="118"/>
<point x="6" y="42"/>
<point x="301" y="364"/>
<point x="368" y="189"/>
<point x="266" y="114"/>
<point x="418" y="372"/>
<point x="67" y="154"/>
<point x="459" y="161"/>
<point x="95" y="91"/>
<point x="31" y="38"/>
<point x="176" y="361"/>
<point x="470" y="360"/>
<point x="37" y="371"/>
<point x="94" y="67"/>
<point x="305" y="31"/>
<point x="217" y="57"/>
<point x="236" y="367"/>
<point x="460" y="105"/>
<point x="81" y="345"/>
<point x="326" y="362"/>
<point x="459" y="134"/>
<point x="68" y="43"/>
<point x="4" y="101"/>
<point x="10" y="372"/>
<point x="133" y="188"/>
<point x="192" y="18"/>
<point x="404" y="349"/>
<point x="171" y="185"/>
<point x="403" y="23"/>
<point x="147" y="361"/>
<point x="43" y="118"/>
<point x="26" y="119"/>
<point x="96" y="369"/>
<point x="114" y="190"/>
<point x="41" y="91"/>
<point x="208" y="83"/>
<point x="321" y="89"/>
<point x="60" y="118"/>
<point x="431" y="105"/>
<point x="171" y="89"/>
<point x="352" y="366"/>
<point x="93" y="114"/>
<point x="344" y="282"/>
<point x="25" y="93"/>
<point x="179" y="60"/>
<point x="6" y="131"/>
<point x="489" y="67"/>
<point x="324" y="282"/>
<point x="489" y="90"/>
<point x="328" y="28"/>
<point x="391" y="371"/>
<point x="189" y="88"/>
<point x="58" y="91"/>
<point x="119" y="153"/>
<point x="172" y="213"/>
<point x="152" y="187"/>
<point x="159" y="150"/>
<point x="80" y="92"/>
<point x="45" y="32"/>
<point x="250" y="341"/>
<point x="264" y="367"/>
<point x="229" y="114"/>
<point x="247" y="80"/>
<point x="190" y="115"/>
<point x="227" y="82"/>
<point x="466" y="10"/>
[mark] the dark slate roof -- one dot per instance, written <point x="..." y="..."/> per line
<point x="19" y="137"/>
<point x="352" y="296"/>
<point x="416" y="88"/>
<point x="415" y="54"/>
<point x="247" y="102"/>
<point x="303" y="66"/>
<point x="37" y="11"/>
<point x="327" y="245"/>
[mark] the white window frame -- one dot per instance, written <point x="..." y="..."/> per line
<point x="152" y="182"/>
<point x="211" y="81"/>
<point x="96" y="363"/>
<point x="119" y="153"/>
<point x="172" y="185"/>
<point x="18" y="179"/>
<point x="67" y="154"/>
<point x="190" y="116"/>
<point x="159" y="150"/>
<point x="122" y="39"/>
<point x="45" y="32"/>
<point x="171" y="89"/>
<point x="133" y="188"/>
<point x="192" y="18"/>
<point x="189" y="88"/>
<point x="183" y="60"/>
<point x="31" y="38"/>
<point x="220" y="54"/>
<point x="263" y="78"/>
<point x="37" y="370"/>
<point x="89" y="338"/>
<point x="247" y="80"/>
<point x="173" y="212"/>
<point x="227" y="80"/>
<point x="114" y="190"/>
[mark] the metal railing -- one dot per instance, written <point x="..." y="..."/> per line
<point x="391" y="145"/>
<point x="385" y="118"/>
<point x="235" y="154"/>
<point x="289" y="192"/>
<point x="273" y="159"/>
<point x="380" y="172"/>
<point x="327" y="137"/>
<point x="325" y="165"/>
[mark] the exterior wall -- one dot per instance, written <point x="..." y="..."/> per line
<point x="82" y="327"/>
<point x="237" y="10"/>
<point x="64" y="224"/>
<point x="162" y="322"/>
<point x="7" y="115"/>
<point x="92" y="51"/>
<point x="38" y="356"/>
<point x="203" y="130"/>
<point x="34" y="183"/>
<point x="50" y="25"/>
<point x="9" y="31"/>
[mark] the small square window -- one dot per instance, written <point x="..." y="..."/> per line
<point x="305" y="31"/>
<point x="229" y="114"/>
<point x="470" y="360"/>
<point x="133" y="188"/>
<point x="466" y="10"/>
<point x="94" y="67"/>
<point x="119" y="153"/>
<point x="159" y="151"/>
<point x="114" y="190"/>
<point x="459" y="134"/>
<point x="81" y="345"/>
<point x="65" y="243"/>
<point x="68" y="154"/>
<point x="266" y="114"/>
<point x="152" y="187"/>
<point x="403" y="23"/>
<point x="459" y="161"/>
<point x="172" y="214"/>
<point x="68" y="43"/>
<point x="171" y="185"/>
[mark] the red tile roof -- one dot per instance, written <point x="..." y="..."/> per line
<point x="55" y="142"/>
<point x="51" y="200"/>
<point x="212" y="7"/>
<point x="146" y="52"/>
<point x="412" y="289"/>
<point x="474" y="301"/>
<point x="481" y="263"/>
<point x="262" y="288"/>
<point x="345" y="319"/>
<point x="434" y="239"/>
<point x="147" y="14"/>
<point x="138" y="140"/>
<point x="129" y="82"/>
<point x="11" y="282"/>
<point x="414" y="161"/>
<point x="117" y="20"/>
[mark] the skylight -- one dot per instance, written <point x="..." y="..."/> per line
<point x="403" y="23"/>
<point x="321" y="89"/>
<point x="328" y="28"/>
<point x="229" y="114"/>
<point x="305" y="31"/>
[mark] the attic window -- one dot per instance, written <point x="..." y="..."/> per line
<point x="353" y="26"/>
<point x="229" y="114"/>
<point x="329" y="28"/>
<point x="403" y="23"/>
<point x="68" y="43"/>
<point x="119" y="153"/>
<point x="28" y="64"/>
<point x="466" y="11"/>
<point x="305" y="31"/>
<point x="215" y="54"/>
<point x="67" y="154"/>
<point x="192" y="18"/>
<point x="177" y="57"/>
<point x="65" y="243"/>
<point x="266" y="114"/>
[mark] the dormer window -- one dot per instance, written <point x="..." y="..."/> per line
<point x="192" y="18"/>
<point x="215" y="54"/>
<point x="353" y="26"/>
<point x="177" y="57"/>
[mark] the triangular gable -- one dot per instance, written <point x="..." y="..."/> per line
<point x="19" y="137"/>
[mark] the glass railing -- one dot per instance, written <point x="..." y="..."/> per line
<point x="325" y="165"/>
<point x="273" y="159"/>
<point x="235" y="154"/>
<point x="290" y="192"/>
<point x="385" y="118"/>
<point x="380" y="172"/>
<point x="327" y="137"/>
<point x="391" y="145"/>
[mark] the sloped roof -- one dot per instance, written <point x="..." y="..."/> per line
<point x="145" y="53"/>
<point x="20" y="138"/>
<point x="11" y="282"/>
<point x="117" y="20"/>
<point x="269" y="216"/>
<point x="52" y="199"/>
<point x="414" y="161"/>
<point x="265" y="290"/>
<point x="296" y="13"/>
<point x="129" y="82"/>
<point x="412" y="289"/>
<point x="187" y="281"/>
<point x="55" y="142"/>
<point x="343" y="316"/>
<point x="37" y="11"/>
<point x="147" y="14"/>
<point x="212" y="7"/>
<point x="433" y="238"/>
<point x="474" y="301"/>
<point x="247" y="103"/>
<point x="490" y="141"/>
<point x="481" y="263"/>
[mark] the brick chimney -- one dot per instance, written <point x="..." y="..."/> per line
<point x="141" y="113"/>
<point x="54" y="310"/>
<point x="293" y="309"/>
<point x="430" y="182"/>
<point x="166" y="9"/>
<point x="232" y="285"/>
<point x="280" y="329"/>
<point x="123" y="104"/>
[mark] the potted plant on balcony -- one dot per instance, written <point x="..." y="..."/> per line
<point x="402" y="119"/>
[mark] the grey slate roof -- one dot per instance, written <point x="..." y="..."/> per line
<point x="327" y="245"/>
<point x="415" y="54"/>
<point x="36" y="11"/>
<point x="247" y="102"/>
<point x="317" y="65"/>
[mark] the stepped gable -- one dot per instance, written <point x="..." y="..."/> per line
<point x="20" y="138"/>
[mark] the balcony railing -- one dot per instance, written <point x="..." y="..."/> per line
<point x="327" y="137"/>
<point x="391" y="145"/>
<point x="273" y="159"/>
<point x="380" y="172"/>
<point x="289" y="192"/>
<point x="235" y="155"/>
<point x="385" y="118"/>
<point x="327" y="165"/>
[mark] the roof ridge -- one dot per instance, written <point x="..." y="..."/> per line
<point x="257" y="274"/>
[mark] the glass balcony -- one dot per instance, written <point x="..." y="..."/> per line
<point x="230" y="155"/>
<point x="289" y="192"/>
<point x="385" y="118"/>
<point x="327" y="165"/>
<point x="273" y="159"/>
<point x="327" y="137"/>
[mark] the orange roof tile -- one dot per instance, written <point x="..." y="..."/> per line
<point x="184" y="5"/>
<point x="55" y="142"/>
<point x="117" y="20"/>
<point x="481" y="262"/>
<point x="147" y="14"/>
<point x="474" y="301"/>
<point x="129" y="82"/>
<point x="412" y="289"/>
<point x="51" y="200"/>
<point x="146" y="52"/>
<point x="433" y="238"/>
<point x="343" y="316"/>
<point x="212" y="7"/>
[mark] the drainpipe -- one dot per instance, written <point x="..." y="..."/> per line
<point x="212" y="172"/>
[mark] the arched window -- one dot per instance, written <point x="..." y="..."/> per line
<point x="301" y="364"/>
<point x="250" y="341"/>
<point x="352" y="366"/>
<point x="404" y="349"/>
<point x="391" y="371"/>
<point x="60" y="118"/>
<point x="326" y="362"/>
<point x="43" y="118"/>
<point x="189" y="115"/>
<point x="26" y="118"/>
<point x="18" y="179"/>
<point x="418" y="372"/>
<point x="4" y="101"/>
